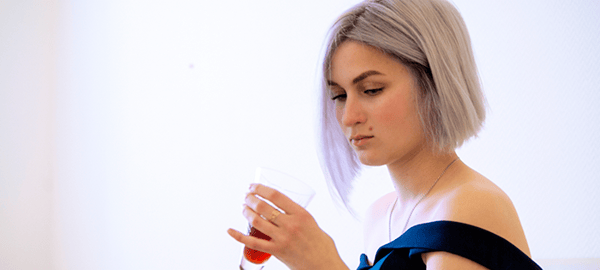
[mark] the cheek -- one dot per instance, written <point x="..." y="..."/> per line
<point x="392" y="114"/>
<point x="399" y="115"/>
<point x="339" y="113"/>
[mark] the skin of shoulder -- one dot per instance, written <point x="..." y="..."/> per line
<point x="374" y="224"/>
<point x="476" y="201"/>
<point x="468" y="198"/>
<point x="481" y="203"/>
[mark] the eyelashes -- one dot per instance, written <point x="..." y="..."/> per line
<point x="340" y="97"/>
<point x="372" y="92"/>
<point x="368" y="92"/>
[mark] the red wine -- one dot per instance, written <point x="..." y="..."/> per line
<point x="253" y="255"/>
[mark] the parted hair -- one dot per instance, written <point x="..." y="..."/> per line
<point x="430" y="38"/>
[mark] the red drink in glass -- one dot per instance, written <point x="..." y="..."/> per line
<point x="255" y="256"/>
<point x="291" y="187"/>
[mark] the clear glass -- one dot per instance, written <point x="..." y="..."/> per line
<point x="296" y="190"/>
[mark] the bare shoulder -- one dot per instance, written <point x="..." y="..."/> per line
<point x="479" y="202"/>
<point x="376" y="214"/>
<point x="378" y="209"/>
<point x="375" y="226"/>
<point x="475" y="200"/>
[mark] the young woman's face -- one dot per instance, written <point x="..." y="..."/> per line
<point x="375" y="104"/>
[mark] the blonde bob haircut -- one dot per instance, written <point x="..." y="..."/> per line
<point x="430" y="38"/>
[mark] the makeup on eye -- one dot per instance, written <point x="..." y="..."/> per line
<point x="341" y="96"/>
<point x="336" y="93"/>
<point x="373" y="92"/>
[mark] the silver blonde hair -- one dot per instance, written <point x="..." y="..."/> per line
<point x="430" y="38"/>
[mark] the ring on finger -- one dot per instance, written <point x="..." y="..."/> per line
<point x="274" y="216"/>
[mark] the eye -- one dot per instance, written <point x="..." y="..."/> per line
<point x="339" y="97"/>
<point x="372" y="92"/>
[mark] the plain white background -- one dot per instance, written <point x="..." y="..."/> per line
<point x="129" y="130"/>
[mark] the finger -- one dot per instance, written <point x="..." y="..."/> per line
<point x="237" y="235"/>
<point x="258" y="222"/>
<point x="251" y="242"/>
<point x="277" y="198"/>
<point x="262" y="208"/>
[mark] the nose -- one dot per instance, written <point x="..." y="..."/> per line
<point x="352" y="113"/>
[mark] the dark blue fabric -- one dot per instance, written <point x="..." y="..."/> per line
<point x="473" y="243"/>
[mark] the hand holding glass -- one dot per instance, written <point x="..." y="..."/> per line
<point x="294" y="189"/>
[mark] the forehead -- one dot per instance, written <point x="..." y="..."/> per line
<point x="352" y="58"/>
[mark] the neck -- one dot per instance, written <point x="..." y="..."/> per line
<point x="413" y="176"/>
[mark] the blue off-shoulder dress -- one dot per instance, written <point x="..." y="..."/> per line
<point x="473" y="243"/>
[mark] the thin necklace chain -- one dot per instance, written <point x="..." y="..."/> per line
<point x="414" y="207"/>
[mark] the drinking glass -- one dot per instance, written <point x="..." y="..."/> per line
<point x="296" y="190"/>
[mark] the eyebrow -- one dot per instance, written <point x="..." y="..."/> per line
<point x="358" y="78"/>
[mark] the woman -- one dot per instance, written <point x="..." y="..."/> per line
<point x="400" y="89"/>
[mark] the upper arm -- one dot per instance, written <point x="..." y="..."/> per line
<point x="448" y="261"/>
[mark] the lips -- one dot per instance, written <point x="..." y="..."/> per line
<point x="360" y="140"/>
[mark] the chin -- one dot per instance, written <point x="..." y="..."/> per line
<point x="370" y="160"/>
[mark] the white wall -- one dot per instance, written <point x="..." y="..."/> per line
<point x="27" y="87"/>
<point x="539" y="62"/>
<point x="130" y="129"/>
